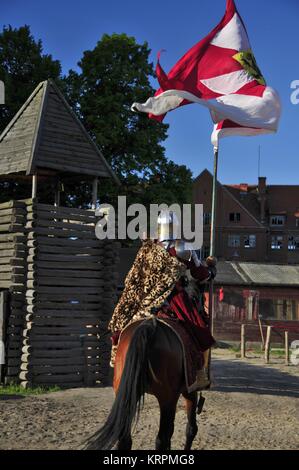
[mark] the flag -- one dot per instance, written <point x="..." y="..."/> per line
<point x="220" y="73"/>
<point x="229" y="128"/>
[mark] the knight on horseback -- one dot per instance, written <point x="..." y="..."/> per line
<point x="178" y="295"/>
<point x="186" y="301"/>
<point x="161" y="340"/>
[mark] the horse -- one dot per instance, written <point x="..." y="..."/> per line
<point x="149" y="359"/>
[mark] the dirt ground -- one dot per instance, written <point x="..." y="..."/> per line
<point x="250" y="406"/>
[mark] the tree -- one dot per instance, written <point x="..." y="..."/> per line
<point x="22" y="66"/>
<point x="114" y="75"/>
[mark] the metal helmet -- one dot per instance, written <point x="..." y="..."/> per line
<point x="168" y="226"/>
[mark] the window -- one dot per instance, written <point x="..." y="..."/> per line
<point x="279" y="309"/>
<point x="234" y="217"/>
<point x="207" y="218"/>
<point x="277" y="242"/>
<point x="293" y="243"/>
<point x="277" y="220"/>
<point x="234" y="241"/>
<point x="249" y="241"/>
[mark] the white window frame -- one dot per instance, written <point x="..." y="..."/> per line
<point x="234" y="241"/>
<point x="275" y="245"/>
<point x="251" y="241"/>
<point x="277" y="220"/>
<point x="293" y="243"/>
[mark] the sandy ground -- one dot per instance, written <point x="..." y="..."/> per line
<point x="250" y="406"/>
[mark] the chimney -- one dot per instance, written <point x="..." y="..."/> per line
<point x="262" y="186"/>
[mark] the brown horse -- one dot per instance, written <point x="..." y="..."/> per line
<point x="149" y="360"/>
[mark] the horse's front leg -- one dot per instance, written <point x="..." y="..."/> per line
<point x="192" y="428"/>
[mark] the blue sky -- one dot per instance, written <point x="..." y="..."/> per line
<point x="67" y="28"/>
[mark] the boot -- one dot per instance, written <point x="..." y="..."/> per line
<point x="202" y="379"/>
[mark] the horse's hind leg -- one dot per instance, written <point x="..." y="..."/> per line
<point x="167" y="415"/>
<point x="125" y="443"/>
<point x="191" y="429"/>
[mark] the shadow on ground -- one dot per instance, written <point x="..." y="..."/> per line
<point x="237" y="376"/>
<point x="11" y="397"/>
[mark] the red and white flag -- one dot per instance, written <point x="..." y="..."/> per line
<point x="220" y="73"/>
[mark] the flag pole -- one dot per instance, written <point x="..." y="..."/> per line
<point x="212" y="247"/>
<point x="213" y="235"/>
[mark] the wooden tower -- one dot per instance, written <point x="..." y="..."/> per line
<point x="59" y="280"/>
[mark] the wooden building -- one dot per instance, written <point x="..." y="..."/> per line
<point x="58" y="282"/>
<point x="257" y="295"/>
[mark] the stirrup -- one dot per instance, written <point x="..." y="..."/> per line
<point x="202" y="380"/>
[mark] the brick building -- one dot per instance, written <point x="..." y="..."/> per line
<point x="255" y="223"/>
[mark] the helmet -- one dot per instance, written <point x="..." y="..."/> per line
<point x="168" y="226"/>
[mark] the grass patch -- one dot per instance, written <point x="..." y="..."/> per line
<point x="16" y="389"/>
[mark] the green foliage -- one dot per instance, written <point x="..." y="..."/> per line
<point x="114" y="75"/>
<point x="22" y="66"/>
<point x="15" y="389"/>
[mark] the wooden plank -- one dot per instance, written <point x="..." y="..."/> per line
<point x="17" y="262"/>
<point x="52" y="379"/>
<point x="69" y="296"/>
<point x="57" y="344"/>
<point x="67" y="264"/>
<point x="39" y="356"/>
<point x="64" y="210"/>
<point x="13" y="237"/>
<point x="51" y="223"/>
<point x="286" y="348"/>
<point x="53" y="320"/>
<point x="40" y="331"/>
<point x="61" y="233"/>
<point x="15" y="253"/>
<point x="62" y="215"/>
<point x="268" y="345"/>
<point x="12" y="246"/>
<point x="10" y="204"/>
<point x="65" y="273"/>
<point x="32" y="362"/>
<point x="37" y="241"/>
<point x="12" y="219"/>
<point x="73" y="250"/>
<point x="45" y="305"/>
<point x="37" y="369"/>
<point x="13" y="211"/>
<point x="62" y="282"/>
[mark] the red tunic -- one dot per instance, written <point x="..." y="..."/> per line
<point x="188" y="310"/>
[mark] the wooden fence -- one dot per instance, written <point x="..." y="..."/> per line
<point x="68" y="288"/>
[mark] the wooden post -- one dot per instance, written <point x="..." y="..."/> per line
<point x="267" y="345"/>
<point x="261" y="331"/>
<point x="34" y="186"/>
<point x="94" y="193"/>
<point x="3" y="319"/>
<point x="243" y="342"/>
<point x="57" y="195"/>
<point x="286" y="345"/>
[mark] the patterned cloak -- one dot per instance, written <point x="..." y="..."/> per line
<point x="148" y="284"/>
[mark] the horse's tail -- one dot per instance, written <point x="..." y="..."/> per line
<point x="130" y="394"/>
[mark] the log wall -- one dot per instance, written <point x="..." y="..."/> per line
<point x="63" y="294"/>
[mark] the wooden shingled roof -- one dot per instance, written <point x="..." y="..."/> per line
<point x="46" y="133"/>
